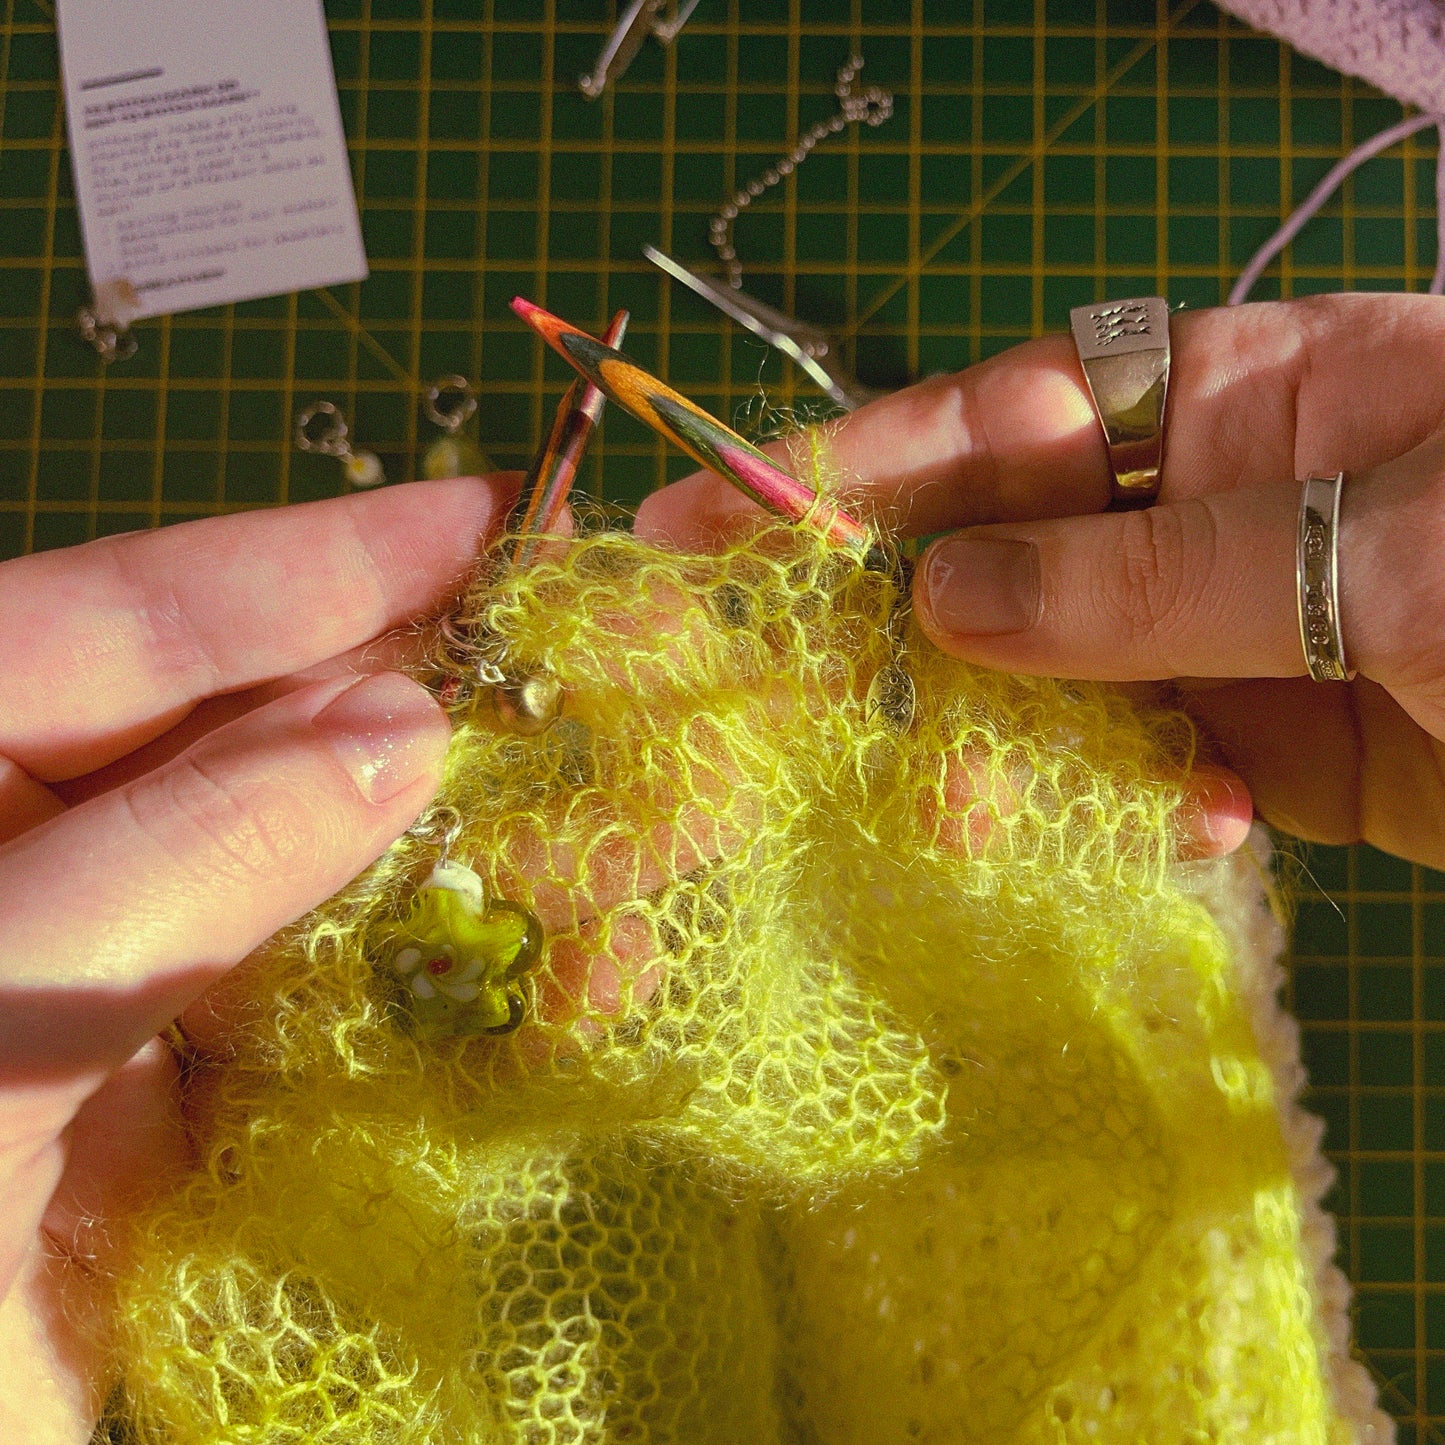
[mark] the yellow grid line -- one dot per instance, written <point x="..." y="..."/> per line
<point x="1410" y="212"/>
<point x="915" y="183"/>
<point x="605" y="307"/>
<point x="1100" y="156"/>
<point x="1417" y="1126"/>
<point x="1161" y="148"/>
<point x="47" y="272"/>
<point x="975" y="235"/>
<point x="544" y="217"/>
<point x="223" y="424"/>
<point x="732" y="178"/>
<point x="361" y="335"/>
<point x="1347" y="195"/>
<point x="790" y="192"/>
<point x="1036" y="226"/>
<point x="851" y="250"/>
<point x="1013" y="172"/>
<point x="419" y="260"/>
<point x="669" y="151"/>
<point x="1226" y="270"/>
<point x="484" y="192"/>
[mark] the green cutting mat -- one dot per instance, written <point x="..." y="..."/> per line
<point x="1043" y="153"/>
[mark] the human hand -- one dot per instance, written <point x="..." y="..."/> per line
<point x="1200" y="588"/>
<point x="190" y="757"/>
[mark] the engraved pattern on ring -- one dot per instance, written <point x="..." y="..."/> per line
<point x="1114" y="323"/>
<point x="1317" y="561"/>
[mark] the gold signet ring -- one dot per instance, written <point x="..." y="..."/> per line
<point x="1124" y="349"/>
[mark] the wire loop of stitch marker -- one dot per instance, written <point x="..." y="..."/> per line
<point x="330" y="439"/>
<point x="439" y="827"/>
<point x="450" y="403"/>
<point x="526" y="702"/>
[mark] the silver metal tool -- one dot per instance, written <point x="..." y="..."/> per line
<point x="641" y="19"/>
<point x="810" y="347"/>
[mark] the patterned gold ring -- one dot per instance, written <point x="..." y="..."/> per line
<point x="1317" y="565"/>
<point x="1124" y="349"/>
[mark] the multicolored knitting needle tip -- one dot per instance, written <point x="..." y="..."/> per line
<point x="554" y="468"/>
<point x="704" y="438"/>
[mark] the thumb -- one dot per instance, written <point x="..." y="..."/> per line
<point x="119" y="912"/>
<point x="1204" y="587"/>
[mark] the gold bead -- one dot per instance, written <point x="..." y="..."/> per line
<point x="528" y="706"/>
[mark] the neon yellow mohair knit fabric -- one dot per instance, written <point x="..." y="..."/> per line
<point x="885" y="1079"/>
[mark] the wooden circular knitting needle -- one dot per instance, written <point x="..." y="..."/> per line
<point x="554" y="469"/>
<point x="703" y="437"/>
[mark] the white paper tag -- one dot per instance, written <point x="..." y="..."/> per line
<point x="210" y="164"/>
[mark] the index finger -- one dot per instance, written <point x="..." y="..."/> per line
<point x="1257" y="393"/>
<point x="105" y="646"/>
<point x="1000" y="440"/>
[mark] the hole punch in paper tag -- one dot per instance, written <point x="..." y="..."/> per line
<point x="210" y="163"/>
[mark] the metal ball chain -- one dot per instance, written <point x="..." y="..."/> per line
<point x="870" y="106"/>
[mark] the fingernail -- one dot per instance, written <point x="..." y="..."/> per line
<point x="1217" y="815"/>
<point x="386" y="732"/>
<point x="982" y="585"/>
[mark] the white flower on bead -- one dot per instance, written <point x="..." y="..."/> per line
<point x="440" y="974"/>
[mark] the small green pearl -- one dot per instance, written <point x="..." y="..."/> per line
<point x="454" y="456"/>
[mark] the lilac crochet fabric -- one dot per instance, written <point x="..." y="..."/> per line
<point x="1397" y="45"/>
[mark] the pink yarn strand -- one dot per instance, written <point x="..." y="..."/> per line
<point x="1333" y="180"/>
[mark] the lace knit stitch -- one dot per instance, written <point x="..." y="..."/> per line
<point x="948" y="1116"/>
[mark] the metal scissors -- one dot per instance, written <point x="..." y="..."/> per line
<point x="638" y="21"/>
<point x="810" y="347"/>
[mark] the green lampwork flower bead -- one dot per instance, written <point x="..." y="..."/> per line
<point x="461" y="955"/>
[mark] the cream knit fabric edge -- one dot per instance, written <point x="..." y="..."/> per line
<point x="1236" y="894"/>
